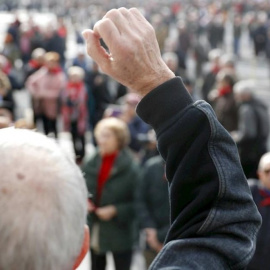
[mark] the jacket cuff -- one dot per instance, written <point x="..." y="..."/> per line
<point x="164" y="102"/>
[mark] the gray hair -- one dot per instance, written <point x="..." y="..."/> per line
<point x="37" y="53"/>
<point x="214" y="54"/>
<point x="227" y="60"/>
<point x="264" y="161"/>
<point x="75" y="70"/>
<point x="244" y="87"/>
<point x="43" y="203"/>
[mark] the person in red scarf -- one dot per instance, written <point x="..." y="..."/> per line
<point x="111" y="175"/>
<point x="223" y="100"/>
<point x="74" y="109"/>
<point x="45" y="85"/>
<point x="35" y="63"/>
<point x="261" y="194"/>
<point x="209" y="79"/>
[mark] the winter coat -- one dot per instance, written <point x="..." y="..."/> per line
<point x="74" y="109"/>
<point x="117" y="234"/>
<point x="261" y="259"/>
<point x="253" y="130"/>
<point x="153" y="198"/>
<point x="226" y="111"/>
<point x="46" y="87"/>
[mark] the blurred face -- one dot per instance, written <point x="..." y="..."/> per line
<point x="51" y="64"/>
<point x="40" y="59"/>
<point x="81" y="56"/>
<point x="264" y="176"/>
<point x="75" y="78"/>
<point x="237" y="98"/>
<point x="130" y="109"/>
<point x="106" y="141"/>
<point x="222" y="83"/>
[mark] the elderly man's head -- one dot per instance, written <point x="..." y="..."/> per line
<point x="264" y="170"/>
<point x="43" y="204"/>
<point x="243" y="90"/>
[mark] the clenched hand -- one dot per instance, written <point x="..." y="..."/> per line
<point x="134" y="59"/>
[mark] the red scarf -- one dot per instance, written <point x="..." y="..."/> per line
<point x="75" y="92"/>
<point x="104" y="173"/>
<point x="62" y="31"/>
<point x="34" y="64"/>
<point x="74" y="89"/>
<point x="215" y="69"/>
<point x="265" y="197"/>
<point x="224" y="90"/>
<point x="55" y="70"/>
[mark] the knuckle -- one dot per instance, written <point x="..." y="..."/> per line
<point x="134" y="11"/>
<point x="123" y="10"/>
<point x="150" y="31"/>
<point x="103" y="24"/>
<point x="137" y="40"/>
<point x="97" y="25"/>
<point x="112" y="14"/>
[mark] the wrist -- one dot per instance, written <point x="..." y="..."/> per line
<point x="154" y="80"/>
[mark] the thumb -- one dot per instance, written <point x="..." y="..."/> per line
<point x="94" y="48"/>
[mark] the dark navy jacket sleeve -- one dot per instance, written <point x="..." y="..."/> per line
<point x="214" y="221"/>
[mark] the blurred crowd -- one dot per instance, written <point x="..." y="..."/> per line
<point x="72" y="94"/>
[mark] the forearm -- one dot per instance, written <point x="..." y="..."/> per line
<point x="208" y="191"/>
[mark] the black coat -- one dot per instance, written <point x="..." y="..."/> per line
<point x="261" y="258"/>
<point x="153" y="198"/>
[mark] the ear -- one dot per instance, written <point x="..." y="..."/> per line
<point x="84" y="249"/>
